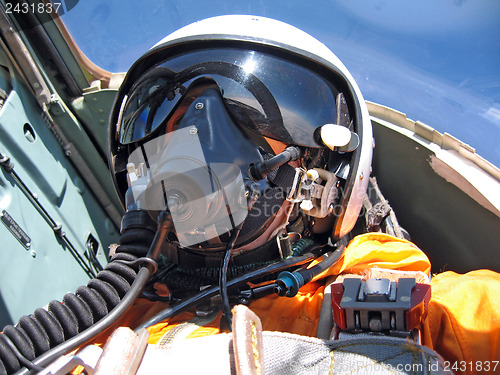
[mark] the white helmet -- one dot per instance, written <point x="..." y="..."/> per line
<point x="278" y="86"/>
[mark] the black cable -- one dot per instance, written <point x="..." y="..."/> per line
<point x="210" y="292"/>
<point x="21" y="358"/>
<point x="226" y="308"/>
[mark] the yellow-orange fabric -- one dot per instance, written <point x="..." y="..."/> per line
<point x="379" y="250"/>
<point x="463" y="321"/>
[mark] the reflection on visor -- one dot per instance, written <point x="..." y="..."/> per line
<point x="151" y="102"/>
<point x="270" y="96"/>
<point x="205" y="200"/>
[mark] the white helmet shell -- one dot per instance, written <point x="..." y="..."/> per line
<point x="277" y="34"/>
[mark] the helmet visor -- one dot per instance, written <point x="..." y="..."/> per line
<point x="273" y="97"/>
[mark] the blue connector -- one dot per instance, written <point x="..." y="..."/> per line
<point x="289" y="283"/>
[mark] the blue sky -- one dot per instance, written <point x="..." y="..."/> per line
<point x="438" y="61"/>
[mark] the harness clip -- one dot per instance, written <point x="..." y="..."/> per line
<point x="379" y="305"/>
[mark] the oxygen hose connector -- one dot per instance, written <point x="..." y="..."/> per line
<point x="288" y="283"/>
<point x="259" y="171"/>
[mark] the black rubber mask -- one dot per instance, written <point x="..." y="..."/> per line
<point x="200" y="172"/>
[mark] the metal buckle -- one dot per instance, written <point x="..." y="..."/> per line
<point x="316" y="191"/>
<point x="295" y="190"/>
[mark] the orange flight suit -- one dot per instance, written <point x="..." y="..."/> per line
<point x="462" y="323"/>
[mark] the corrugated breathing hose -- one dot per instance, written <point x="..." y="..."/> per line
<point x="62" y="325"/>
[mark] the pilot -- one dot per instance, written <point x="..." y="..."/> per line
<point x="257" y="141"/>
<point x="250" y="144"/>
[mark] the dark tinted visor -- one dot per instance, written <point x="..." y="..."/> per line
<point x="273" y="97"/>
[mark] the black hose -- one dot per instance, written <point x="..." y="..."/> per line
<point x="143" y="276"/>
<point x="289" y="283"/>
<point x="260" y="170"/>
<point x="86" y="336"/>
<point x="61" y="324"/>
<point x="207" y="293"/>
<point x="329" y="260"/>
